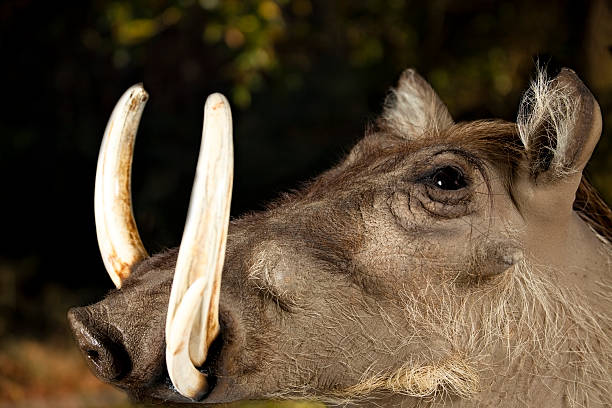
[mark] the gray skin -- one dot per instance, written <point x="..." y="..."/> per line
<point x="400" y="256"/>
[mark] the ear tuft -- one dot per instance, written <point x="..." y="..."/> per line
<point x="559" y="123"/>
<point x="413" y="108"/>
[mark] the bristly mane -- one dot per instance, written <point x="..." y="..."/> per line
<point x="593" y="210"/>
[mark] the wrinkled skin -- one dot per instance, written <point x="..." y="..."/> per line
<point x="355" y="275"/>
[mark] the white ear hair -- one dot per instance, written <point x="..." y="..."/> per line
<point x="413" y="107"/>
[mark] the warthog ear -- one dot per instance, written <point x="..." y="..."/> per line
<point x="413" y="108"/>
<point x="559" y="123"/>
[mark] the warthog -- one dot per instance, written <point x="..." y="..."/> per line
<point x="438" y="264"/>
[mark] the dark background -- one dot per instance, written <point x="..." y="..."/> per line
<point x="304" y="78"/>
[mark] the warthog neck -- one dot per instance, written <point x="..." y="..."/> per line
<point x="542" y="339"/>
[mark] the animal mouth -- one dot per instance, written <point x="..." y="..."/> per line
<point x="192" y="322"/>
<point x="213" y="361"/>
<point x="213" y="366"/>
<point x="220" y="386"/>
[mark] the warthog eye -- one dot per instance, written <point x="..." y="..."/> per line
<point x="449" y="178"/>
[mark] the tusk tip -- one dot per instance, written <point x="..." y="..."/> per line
<point x="137" y="97"/>
<point x="216" y="101"/>
<point x="137" y="92"/>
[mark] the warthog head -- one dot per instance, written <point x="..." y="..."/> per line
<point x="438" y="263"/>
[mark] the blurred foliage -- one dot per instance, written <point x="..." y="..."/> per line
<point x="247" y="30"/>
<point x="305" y="77"/>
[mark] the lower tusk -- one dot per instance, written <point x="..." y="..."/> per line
<point x="201" y="254"/>
<point x="186" y="378"/>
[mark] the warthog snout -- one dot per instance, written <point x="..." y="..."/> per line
<point x="103" y="349"/>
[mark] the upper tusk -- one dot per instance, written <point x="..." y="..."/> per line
<point x="118" y="237"/>
<point x="191" y="325"/>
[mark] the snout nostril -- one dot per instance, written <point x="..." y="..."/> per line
<point x="102" y="347"/>
<point x="93" y="355"/>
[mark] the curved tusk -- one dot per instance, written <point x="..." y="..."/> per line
<point x="118" y="239"/>
<point x="186" y="378"/>
<point x="192" y="321"/>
